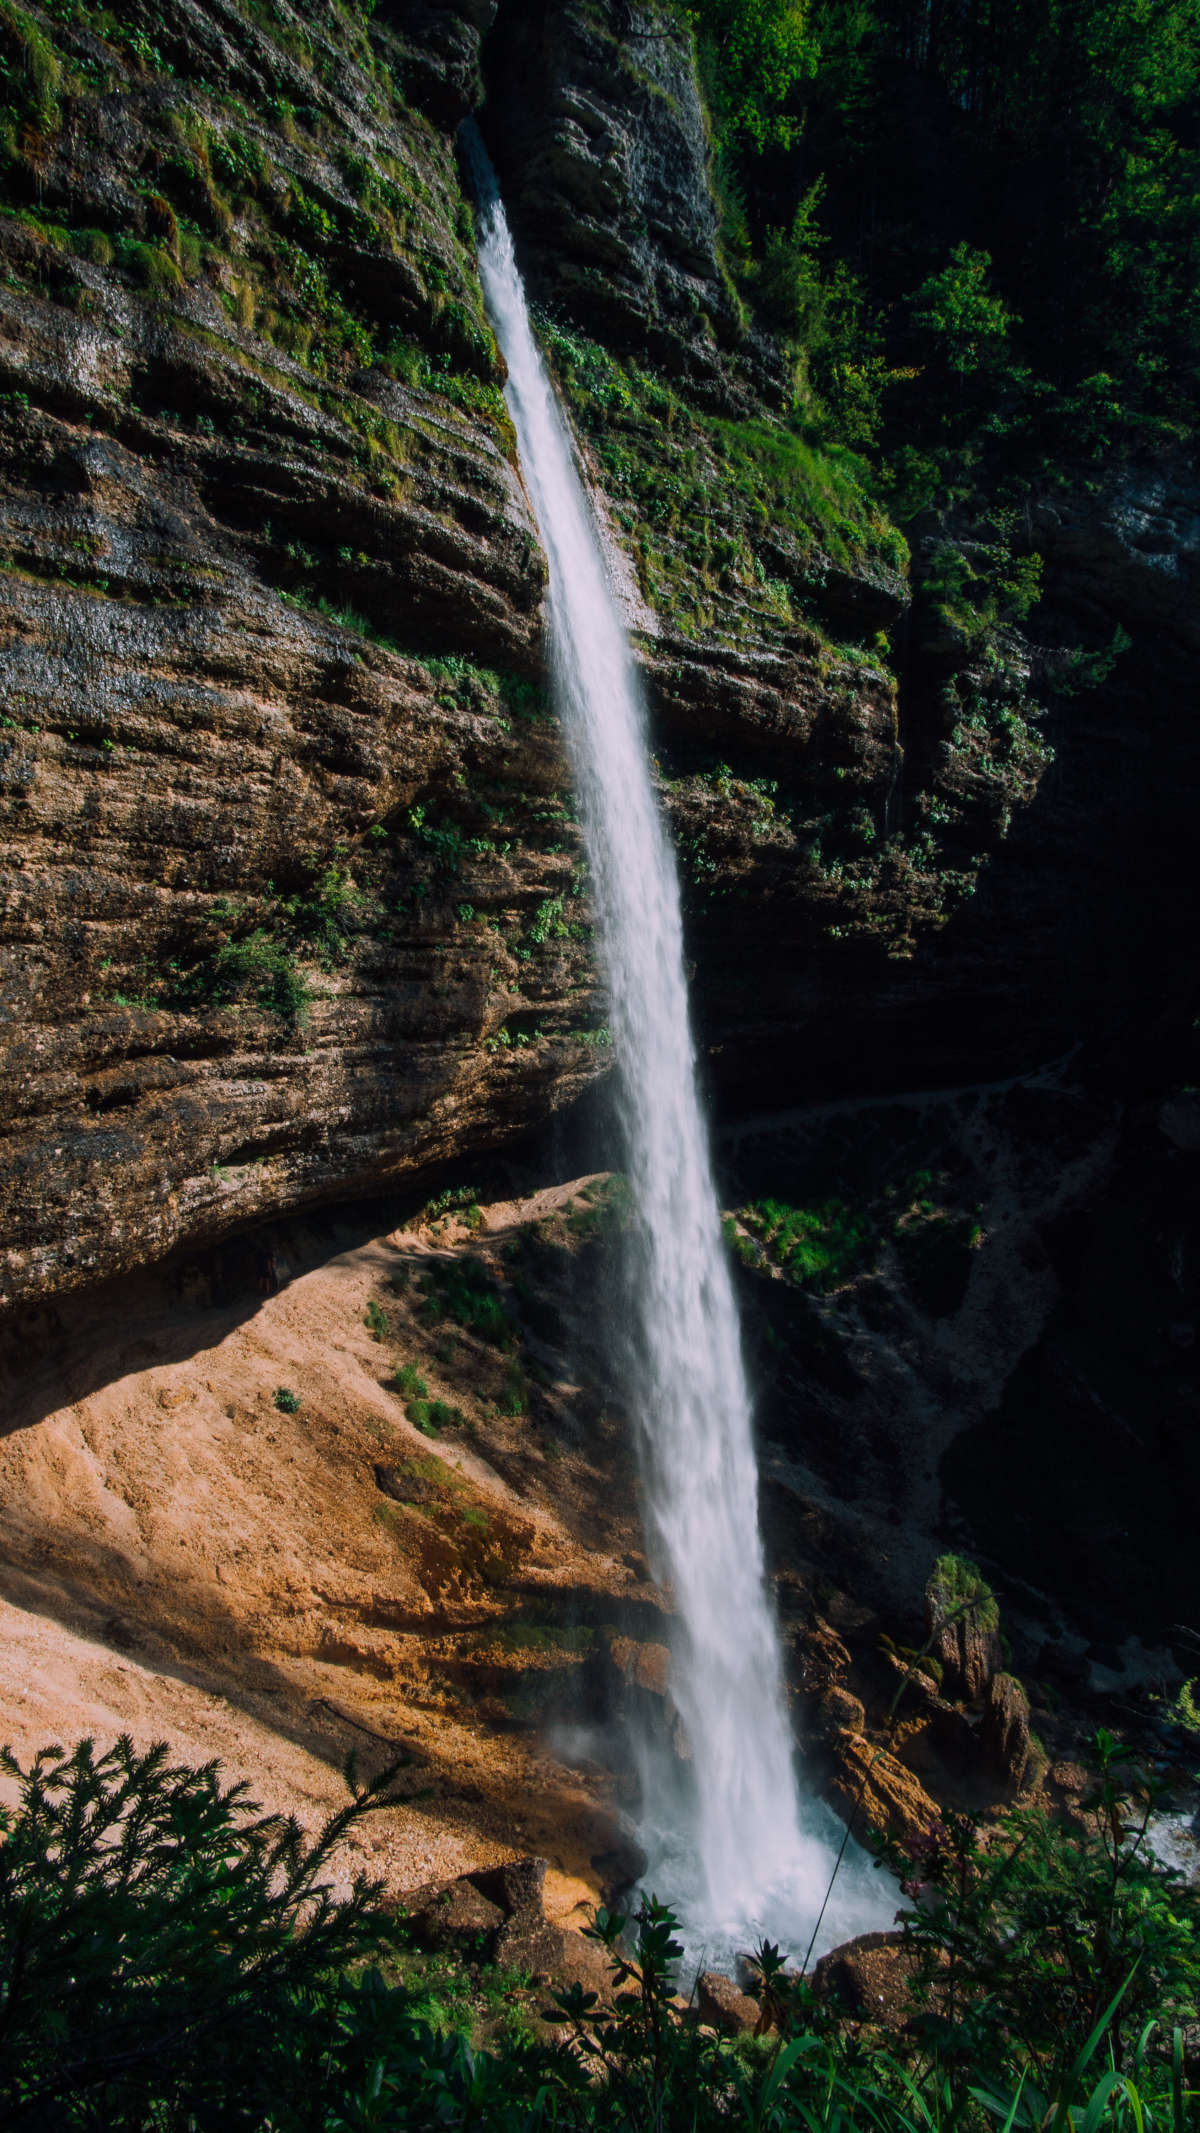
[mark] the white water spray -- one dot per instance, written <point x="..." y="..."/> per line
<point x="728" y="1850"/>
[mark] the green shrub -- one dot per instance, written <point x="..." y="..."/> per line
<point x="443" y="1416"/>
<point x="376" y="1320"/>
<point x="319" y="914"/>
<point x="466" y="1292"/>
<point x="287" y="1402"/>
<point x="171" y="1961"/>
<point x="162" y="1942"/>
<point x="820" y="1247"/>
<point x="259" y="968"/>
<point x="30" y="68"/>
<point x="1029" y="1940"/>
<point x="514" y="1399"/>
<point x="152" y="266"/>
<point x="408" y="1380"/>
<point x="95" y="245"/>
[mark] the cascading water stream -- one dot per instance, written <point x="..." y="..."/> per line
<point x="727" y="1848"/>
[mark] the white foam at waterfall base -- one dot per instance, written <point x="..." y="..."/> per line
<point x="727" y="1842"/>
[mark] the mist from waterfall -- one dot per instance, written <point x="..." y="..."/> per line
<point x="728" y="1844"/>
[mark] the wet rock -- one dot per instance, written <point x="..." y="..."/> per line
<point x="642" y="1666"/>
<point x="837" y="1712"/>
<point x="620" y="1867"/>
<point x="824" y="1659"/>
<point x="724" y="2006"/>
<point x="878" y="1790"/>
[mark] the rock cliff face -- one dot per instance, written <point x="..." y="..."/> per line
<point x="292" y="899"/>
<point x="935" y="874"/>
<point x="269" y="875"/>
<point x="292" y="909"/>
<point x="600" y="146"/>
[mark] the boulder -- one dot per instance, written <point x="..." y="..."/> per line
<point x="407" y="1487"/>
<point x="643" y="1666"/>
<point x="868" y="1979"/>
<point x="1069" y="1780"/>
<point x="966" y="1639"/>
<point x="879" y="1790"/>
<point x="724" y="2006"/>
<point x="1005" y="1733"/>
<point x="455" y="1916"/>
<point x="518" y="1887"/>
<point x="838" y="1711"/>
<point x="525" y="1940"/>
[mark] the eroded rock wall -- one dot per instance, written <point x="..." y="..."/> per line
<point x="293" y="905"/>
<point x="268" y="873"/>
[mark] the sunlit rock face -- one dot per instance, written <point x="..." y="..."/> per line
<point x="266" y="870"/>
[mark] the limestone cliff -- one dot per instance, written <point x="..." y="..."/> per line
<point x="292" y="899"/>
<point x="272" y="878"/>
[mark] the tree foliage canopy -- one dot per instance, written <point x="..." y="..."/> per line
<point x="1009" y="188"/>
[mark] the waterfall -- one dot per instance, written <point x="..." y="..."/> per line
<point x="726" y="1841"/>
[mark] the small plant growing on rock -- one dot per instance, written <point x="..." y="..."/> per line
<point x="420" y="1414"/>
<point x="408" y="1381"/>
<point x="467" y="1293"/>
<point x="286" y="1401"/>
<point x="514" y="1400"/>
<point x="444" y="1416"/>
<point x="376" y="1320"/>
<point x="957" y="1585"/>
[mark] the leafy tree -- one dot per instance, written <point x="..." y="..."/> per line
<point x="967" y="325"/>
<point x="158" y="1936"/>
<point x="978" y="223"/>
<point x="757" y="53"/>
<point x="821" y="315"/>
